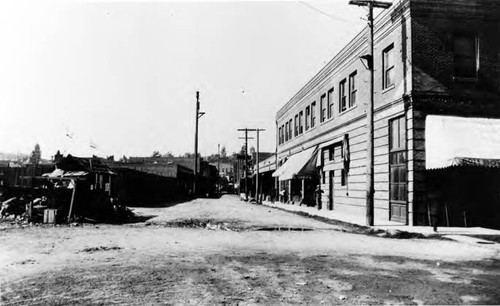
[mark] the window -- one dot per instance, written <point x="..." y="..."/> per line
<point x="331" y="153"/>
<point x="330" y="103"/>
<point x="308" y="116"/>
<point x="322" y="103"/>
<point x="279" y="136"/>
<point x="342" y="97"/>
<point x="283" y="133"/>
<point x="286" y="131"/>
<point x="465" y="56"/>
<point x="290" y="129"/>
<point x="388" y="67"/>
<point x="352" y="89"/>
<point x="313" y="114"/>
<point x="343" y="177"/>
<point x="397" y="160"/>
<point x="296" y="126"/>
<point x="301" y="118"/>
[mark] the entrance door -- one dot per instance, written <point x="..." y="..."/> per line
<point x="398" y="183"/>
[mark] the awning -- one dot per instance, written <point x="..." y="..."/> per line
<point x="475" y="162"/>
<point x="300" y="165"/>
<point x="59" y="173"/>
<point x="269" y="164"/>
<point x="458" y="141"/>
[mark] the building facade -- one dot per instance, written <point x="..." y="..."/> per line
<point x="430" y="58"/>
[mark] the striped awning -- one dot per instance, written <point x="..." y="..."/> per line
<point x="300" y="165"/>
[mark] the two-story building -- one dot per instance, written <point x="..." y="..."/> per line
<point x="432" y="59"/>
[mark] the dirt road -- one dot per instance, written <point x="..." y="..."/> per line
<point x="236" y="259"/>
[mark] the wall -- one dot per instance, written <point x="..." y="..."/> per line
<point x="392" y="27"/>
<point x="435" y="90"/>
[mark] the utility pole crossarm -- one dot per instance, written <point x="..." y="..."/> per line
<point x="246" y="130"/>
<point x="377" y="4"/>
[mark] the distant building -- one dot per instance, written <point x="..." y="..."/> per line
<point x="431" y="58"/>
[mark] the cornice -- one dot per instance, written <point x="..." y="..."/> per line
<point x="350" y="51"/>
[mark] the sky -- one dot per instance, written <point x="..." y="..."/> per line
<point x="120" y="77"/>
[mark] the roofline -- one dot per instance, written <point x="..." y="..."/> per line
<point x="342" y="56"/>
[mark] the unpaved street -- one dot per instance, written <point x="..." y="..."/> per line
<point x="231" y="252"/>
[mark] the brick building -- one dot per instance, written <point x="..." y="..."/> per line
<point x="431" y="58"/>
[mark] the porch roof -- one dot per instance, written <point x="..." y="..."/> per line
<point x="458" y="141"/>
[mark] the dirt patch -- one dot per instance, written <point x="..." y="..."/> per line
<point x="236" y="226"/>
<point x="259" y="278"/>
<point x="492" y="238"/>
<point x="210" y="224"/>
<point x="99" y="249"/>
<point x="364" y="230"/>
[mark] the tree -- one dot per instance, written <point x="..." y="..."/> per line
<point x="223" y="152"/>
<point x="252" y="151"/>
<point x="36" y="155"/>
<point x="156" y="154"/>
<point x="169" y="155"/>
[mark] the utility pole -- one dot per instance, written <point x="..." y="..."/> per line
<point x="257" y="199"/>
<point x="246" y="130"/>
<point x="370" y="190"/>
<point x="218" y="168"/>
<point x="198" y="116"/>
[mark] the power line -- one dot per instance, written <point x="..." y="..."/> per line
<point x="336" y="18"/>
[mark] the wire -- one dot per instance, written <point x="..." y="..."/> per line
<point x="336" y="18"/>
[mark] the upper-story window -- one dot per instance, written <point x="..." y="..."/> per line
<point x="352" y="89"/>
<point x="308" y="116"/>
<point x="283" y="133"/>
<point x="286" y="131"/>
<point x="322" y="105"/>
<point x="290" y="129"/>
<point x="301" y="118"/>
<point x="388" y="67"/>
<point x="296" y="125"/>
<point x="279" y="136"/>
<point x="313" y="114"/>
<point x="465" y="56"/>
<point x="330" y="103"/>
<point x="342" y="96"/>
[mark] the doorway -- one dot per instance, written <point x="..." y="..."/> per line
<point x="398" y="168"/>
<point x="331" y="189"/>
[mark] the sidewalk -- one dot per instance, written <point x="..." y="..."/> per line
<point x="387" y="225"/>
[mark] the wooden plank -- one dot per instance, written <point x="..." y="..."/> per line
<point x="381" y="186"/>
<point x="381" y="168"/>
<point x="381" y="195"/>
<point x="382" y="159"/>
<point x="350" y="201"/>
<point x="381" y="203"/>
<point x="381" y="150"/>
<point x="357" y="178"/>
<point x="381" y="132"/>
<point x="382" y="141"/>
<point x="381" y="177"/>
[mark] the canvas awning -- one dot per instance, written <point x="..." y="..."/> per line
<point x="458" y="141"/>
<point x="300" y="165"/>
<point x="59" y="173"/>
